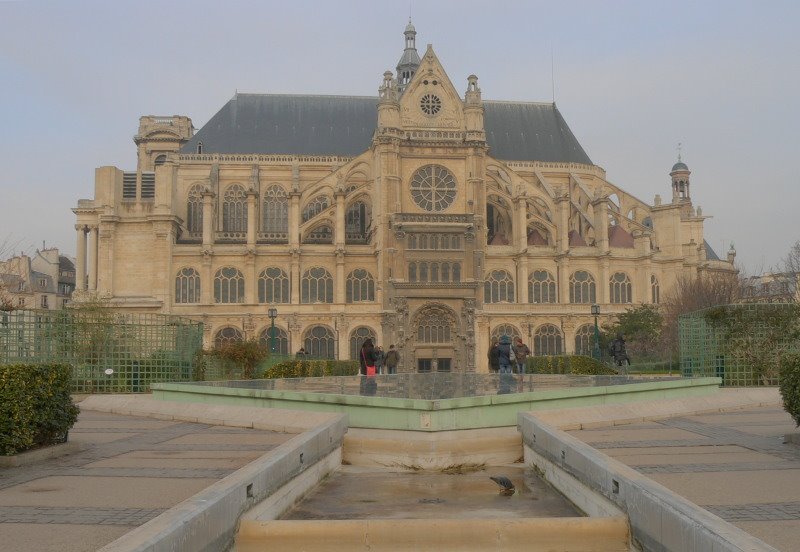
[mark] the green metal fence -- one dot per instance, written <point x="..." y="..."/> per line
<point x="109" y="352"/>
<point x="738" y="343"/>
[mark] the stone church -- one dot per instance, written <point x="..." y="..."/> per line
<point x="422" y="218"/>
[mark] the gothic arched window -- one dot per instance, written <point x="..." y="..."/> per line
<point x="360" y="286"/>
<point x="434" y="327"/>
<point x="317" y="286"/>
<point x="234" y="209"/>
<point x="581" y="287"/>
<point x="281" y="340"/>
<point x="412" y="272"/>
<point x="194" y="209"/>
<point x="275" y="212"/>
<point x="584" y="340"/>
<point x="273" y="286"/>
<point x="506" y="329"/>
<point x="498" y="287"/>
<point x="356" y="223"/>
<point x="456" y="272"/>
<point x="226" y="336"/>
<point x="547" y="340"/>
<point x="315" y="207"/>
<point x="620" y="288"/>
<point x="541" y="287"/>
<point x="319" y="342"/>
<point x="357" y="339"/>
<point x="655" y="290"/>
<point x="160" y="160"/>
<point x="187" y="286"/>
<point x="228" y="285"/>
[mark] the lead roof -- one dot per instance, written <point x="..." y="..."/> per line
<point x="344" y="126"/>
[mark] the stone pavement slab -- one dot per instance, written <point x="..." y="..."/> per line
<point x="129" y="470"/>
<point x="735" y="464"/>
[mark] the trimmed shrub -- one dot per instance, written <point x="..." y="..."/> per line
<point x="567" y="364"/>
<point x="36" y="409"/>
<point x="312" y="368"/>
<point x="789" y="383"/>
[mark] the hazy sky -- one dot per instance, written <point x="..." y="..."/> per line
<point x="632" y="80"/>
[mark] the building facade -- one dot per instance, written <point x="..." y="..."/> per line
<point x="420" y="218"/>
<point x="43" y="281"/>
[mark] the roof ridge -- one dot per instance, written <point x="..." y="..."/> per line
<point x="303" y="95"/>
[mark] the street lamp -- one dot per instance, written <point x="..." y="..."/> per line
<point x="596" y="348"/>
<point x="272" y="313"/>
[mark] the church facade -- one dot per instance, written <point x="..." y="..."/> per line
<point x="420" y="218"/>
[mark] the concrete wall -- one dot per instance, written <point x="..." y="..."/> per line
<point x="207" y="521"/>
<point x="660" y="519"/>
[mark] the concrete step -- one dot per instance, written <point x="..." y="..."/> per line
<point x="581" y="534"/>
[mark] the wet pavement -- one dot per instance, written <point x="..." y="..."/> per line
<point x="378" y="493"/>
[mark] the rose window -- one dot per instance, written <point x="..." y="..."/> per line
<point x="433" y="188"/>
<point x="430" y="104"/>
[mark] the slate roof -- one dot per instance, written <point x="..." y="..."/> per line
<point x="710" y="254"/>
<point x="344" y="125"/>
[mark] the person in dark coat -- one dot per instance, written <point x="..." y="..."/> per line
<point x="504" y="356"/>
<point x="367" y="358"/>
<point x="521" y="354"/>
<point x="619" y="353"/>
<point x="494" y="360"/>
<point x="392" y="360"/>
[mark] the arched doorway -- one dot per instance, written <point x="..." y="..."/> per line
<point x="434" y="332"/>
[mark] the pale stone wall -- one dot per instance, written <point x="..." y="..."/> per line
<point x="141" y="245"/>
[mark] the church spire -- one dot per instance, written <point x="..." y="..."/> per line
<point x="409" y="61"/>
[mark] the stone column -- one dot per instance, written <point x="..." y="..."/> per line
<point x="563" y="223"/>
<point x="562" y="285"/>
<point x="206" y="281"/>
<point x="208" y="219"/>
<point x="294" y="220"/>
<point x="522" y="280"/>
<point x="93" y="257"/>
<point x="252" y="221"/>
<point x="294" y="277"/>
<point x="339" y="284"/>
<point x="339" y="234"/>
<point x="603" y="295"/>
<point x="80" y="268"/>
<point x="520" y="224"/>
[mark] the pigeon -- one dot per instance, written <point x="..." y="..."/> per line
<point x="507" y="487"/>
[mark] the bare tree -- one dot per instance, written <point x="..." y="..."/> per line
<point x="692" y="293"/>
<point x="791" y="266"/>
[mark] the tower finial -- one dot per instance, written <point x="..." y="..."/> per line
<point x="680" y="145"/>
<point x="409" y="61"/>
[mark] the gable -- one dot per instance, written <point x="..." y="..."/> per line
<point x="430" y="100"/>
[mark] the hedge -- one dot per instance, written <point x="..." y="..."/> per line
<point x="789" y="383"/>
<point x="567" y="364"/>
<point x="312" y="368"/>
<point x="36" y="409"/>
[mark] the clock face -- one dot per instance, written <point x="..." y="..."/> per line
<point x="433" y="188"/>
<point x="430" y="104"/>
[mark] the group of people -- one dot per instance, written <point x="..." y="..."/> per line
<point x="375" y="361"/>
<point x="507" y="358"/>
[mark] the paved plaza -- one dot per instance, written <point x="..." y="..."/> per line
<point x="734" y="464"/>
<point x="131" y="469"/>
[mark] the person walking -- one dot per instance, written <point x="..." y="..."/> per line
<point x="504" y="354"/>
<point x="367" y="368"/>
<point x="392" y="360"/>
<point x="494" y="361"/>
<point x="380" y="358"/>
<point x="619" y="353"/>
<point x="521" y="354"/>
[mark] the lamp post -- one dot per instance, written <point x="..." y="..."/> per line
<point x="272" y="313"/>
<point x="596" y="348"/>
